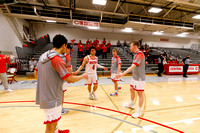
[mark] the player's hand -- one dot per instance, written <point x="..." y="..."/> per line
<point x="119" y="75"/>
<point x="85" y="76"/>
<point x="74" y="73"/>
<point x="7" y="56"/>
<point x="105" y="68"/>
<point x="4" y="57"/>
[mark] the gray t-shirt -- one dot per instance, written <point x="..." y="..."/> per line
<point x="138" y="73"/>
<point x="52" y="71"/>
<point x="114" y="64"/>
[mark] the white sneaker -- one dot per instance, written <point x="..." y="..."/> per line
<point x="130" y="106"/>
<point x="90" y="96"/>
<point x="64" y="111"/>
<point x="137" y="114"/>
<point x="94" y="95"/>
<point x="9" y="90"/>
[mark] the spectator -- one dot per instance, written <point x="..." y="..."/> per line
<point x="164" y="54"/>
<point x="101" y="50"/>
<point x="104" y="41"/>
<point x="176" y="61"/>
<point x="118" y="43"/>
<point x="32" y="64"/>
<point x="80" y="50"/>
<point x="104" y="52"/>
<point x="108" y="46"/>
<point x="148" y="58"/>
<point x="125" y="44"/>
<point x="160" y="65"/>
<point x="88" y="41"/>
<point x="79" y="46"/>
<point x="170" y="61"/>
<point x="97" y="41"/>
<point x="3" y="76"/>
<point x="87" y="48"/>
<point x="98" y="49"/>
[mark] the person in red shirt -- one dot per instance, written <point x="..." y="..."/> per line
<point x="101" y="48"/>
<point x="104" y="52"/>
<point x="98" y="49"/>
<point x="108" y="45"/>
<point x="88" y="41"/>
<point x="97" y="41"/>
<point x="176" y="61"/>
<point x="104" y="41"/>
<point x="87" y="48"/>
<point x="3" y="76"/>
<point x="79" y="46"/>
<point x="170" y="61"/>
<point x="80" y="50"/>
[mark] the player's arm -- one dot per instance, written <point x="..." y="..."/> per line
<point x="72" y="78"/>
<point x="85" y="60"/>
<point x="35" y="73"/>
<point x="100" y="66"/>
<point x="119" y="68"/>
<point x="127" y="71"/>
<point x="7" y="59"/>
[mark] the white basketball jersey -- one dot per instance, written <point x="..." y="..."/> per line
<point x="91" y="66"/>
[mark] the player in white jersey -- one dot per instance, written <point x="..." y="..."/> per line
<point x="91" y="63"/>
<point x="138" y="77"/>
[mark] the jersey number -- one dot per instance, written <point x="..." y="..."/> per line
<point x="93" y="67"/>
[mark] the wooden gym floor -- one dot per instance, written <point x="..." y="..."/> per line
<point x="170" y="107"/>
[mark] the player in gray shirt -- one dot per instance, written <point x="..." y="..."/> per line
<point x="138" y="77"/>
<point x="51" y="71"/>
<point x="115" y="69"/>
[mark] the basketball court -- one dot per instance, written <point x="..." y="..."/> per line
<point x="170" y="107"/>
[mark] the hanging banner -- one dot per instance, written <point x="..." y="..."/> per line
<point x="85" y="23"/>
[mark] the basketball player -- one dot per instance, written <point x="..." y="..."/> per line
<point x="91" y="63"/>
<point x="51" y="72"/>
<point x="138" y="77"/>
<point x="67" y="59"/>
<point x="115" y="69"/>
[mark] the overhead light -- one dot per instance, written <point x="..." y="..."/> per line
<point x="182" y="34"/>
<point x="185" y="33"/>
<point x="127" y="30"/>
<point x="158" y="33"/>
<point x="93" y="28"/>
<point x="196" y="17"/>
<point x="155" y="10"/>
<point x="99" y="2"/>
<point x="161" y="31"/>
<point x="51" y="21"/>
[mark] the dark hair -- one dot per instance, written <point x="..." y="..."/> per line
<point x="59" y="40"/>
<point x="92" y="47"/>
<point x="136" y="43"/>
<point x="69" y="46"/>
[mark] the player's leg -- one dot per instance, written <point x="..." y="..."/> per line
<point x="90" y="92"/>
<point x="132" y="93"/>
<point x="50" y="128"/>
<point x="116" y="88"/>
<point x="64" y="110"/>
<point x="95" y="83"/>
<point x="138" y="112"/>
<point x="4" y="79"/>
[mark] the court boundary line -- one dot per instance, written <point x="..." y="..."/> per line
<point x="160" y="124"/>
